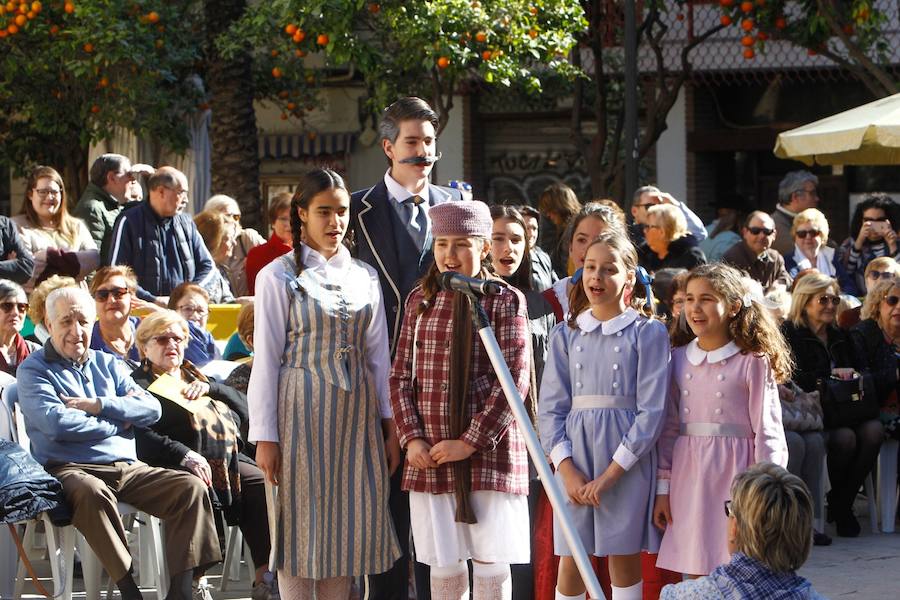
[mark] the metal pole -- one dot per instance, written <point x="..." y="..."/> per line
<point x="554" y="492"/>
<point x="631" y="101"/>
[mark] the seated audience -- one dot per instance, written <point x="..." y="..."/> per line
<point x="797" y="191"/>
<point x="247" y="239"/>
<point x="16" y="262"/>
<point x="875" y="340"/>
<point x="192" y="302"/>
<point x="13" y="347"/>
<point x="668" y="245"/>
<point x="542" y="274"/>
<point x="239" y="378"/>
<point x="811" y="249"/>
<point x="113" y="289"/>
<point x="818" y="346"/>
<point x="280" y="242"/>
<point x="883" y="268"/>
<point x="667" y="283"/>
<point x="754" y="253"/>
<point x="59" y="243"/>
<point x="81" y="410"/>
<point x="724" y="231"/>
<point x="873" y="233"/>
<point x="37" y="301"/>
<point x="769" y="523"/>
<point x="646" y="197"/>
<point x="209" y="437"/>
<point x="219" y="235"/>
<point x="160" y="242"/>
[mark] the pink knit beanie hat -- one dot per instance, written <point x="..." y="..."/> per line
<point x="470" y="218"/>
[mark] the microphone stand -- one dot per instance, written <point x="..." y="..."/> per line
<point x="551" y="485"/>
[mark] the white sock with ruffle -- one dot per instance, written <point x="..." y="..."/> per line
<point x="491" y="581"/>
<point x="450" y="583"/>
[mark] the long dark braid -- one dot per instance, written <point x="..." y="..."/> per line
<point x="313" y="183"/>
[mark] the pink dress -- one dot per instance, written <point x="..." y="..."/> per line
<point x="723" y="415"/>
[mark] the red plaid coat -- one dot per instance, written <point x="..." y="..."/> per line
<point x="500" y="462"/>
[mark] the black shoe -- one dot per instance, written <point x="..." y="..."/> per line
<point x="821" y="539"/>
<point x="847" y="526"/>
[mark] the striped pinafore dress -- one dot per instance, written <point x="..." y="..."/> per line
<point x="334" y="521"/>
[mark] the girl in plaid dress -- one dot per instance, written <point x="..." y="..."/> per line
<point x="466" y="465"/>
<point x="602" y="408"/>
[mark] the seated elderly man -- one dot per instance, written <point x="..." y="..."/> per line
<point x="81" y="408"/>
<point x="754" y="253"/>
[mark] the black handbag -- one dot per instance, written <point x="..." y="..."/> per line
<point x="849" y="402"/>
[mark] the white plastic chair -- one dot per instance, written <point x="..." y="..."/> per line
<point x="887" y="484"/>
<point x="219" y="369"/>
<point x="231" y="565"/>
<point x="69" y="537"/>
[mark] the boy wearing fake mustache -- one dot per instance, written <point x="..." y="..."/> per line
<point x="391" y="231"/>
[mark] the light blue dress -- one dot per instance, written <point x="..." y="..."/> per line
<point x="603" y="398"/>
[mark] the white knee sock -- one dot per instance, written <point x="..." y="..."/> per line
<point x="450" y="583"/>
<point x="491" y="581"/>
<point x="561" y="596"/>
<point x="632" y="592"/>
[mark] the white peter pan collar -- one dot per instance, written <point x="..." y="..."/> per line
<point x="587" y="322"/>
<point x="696" y="355"/>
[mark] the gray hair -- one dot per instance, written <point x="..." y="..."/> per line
<point x="644" y="189"/>
<point x="8" y="289"/>
<point x="220" y="203"/>
<point x="75" y="296"/>
<point x="793" y="182"/>
<point x="105" y="164"/>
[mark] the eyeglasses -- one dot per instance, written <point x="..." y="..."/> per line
<point x="179" y="192"/>
<point x="891" y="300"/>
<point x="645" y="205"/>
<point x="812" y="193"/>
<point x="44" y="192"/>
<point x="9" y="306"/>
<point x="881" y="274"/>
<point x="759" y="230"/>
<point x="189" y="309"/>
<point x="728" y="512"/>
<point x="802" y="233"/>
<point x="163" y="340"/>
<point x="104" y="294"/>
<point x="826" y="298"/>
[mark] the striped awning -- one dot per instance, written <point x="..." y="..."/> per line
<point x="304" y="145"/>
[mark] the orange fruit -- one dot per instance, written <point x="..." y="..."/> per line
<point x="487" y="55"/>
<point x="30" y="14"/>
<point x="443" y="62"/>
<point x="680" y="16"/>
<point x="284" y="116"/>
<point x="153" y="17"/>
<point x="10" y="7"/>
<point x="104" y="82"/>
<point x="95" y="109"/>
<point x="277" y="73"/>
<point x="533" y="10"/>
<point x="159" y="43"/>
<point x="480" y="37"/>
<point x="36" y="7"/>
<point x="88" y="47"/>
<point x="749" y="53"/>
<point x="747" y="24"/>
<point x="290" y="29"/>
<point x="23" y="8"/>
<point x="322" y="39"/>
<point x="3" y="33"/>
<point x="12" y="28"/>
<point x="69" y="8"/>
<point x="299" y="53"/>
<point x="747" y="40"/>
<point x="533" y="33"/>
<point x="291" y="106"/>
<point x="780" y="23"/>
<point x="762" y="35"/>
<point x="726" y="3"/>
<point x="374" y="8"/>
<point x="21" y="20"/>
<point x="283" y="94"/>
<point x="273" y="53"/>
<point x="726" y="20"/>
<point x="299" y="36"/>
<point x="54" y="29"/>
<point x="746" y="6"/>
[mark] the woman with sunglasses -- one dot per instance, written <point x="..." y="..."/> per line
<point x="883" y="268"/>
<point x="668" y="244"/>
<point x="60" y="243"/>
<point x="113" y="289"/>
<point x="876" y="340"/>
<point x="872" y="234"/>
<point x="13" y="347"/>
<point x="202" y="428"/>
<point x="818" y="346"/>
<point x="811" y="251"/>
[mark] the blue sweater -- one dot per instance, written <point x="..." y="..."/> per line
<point x="62" y="435"/>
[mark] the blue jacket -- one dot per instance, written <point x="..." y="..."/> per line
<point x="399" y="266"/>
<point x="62" y="435"/>
<point x="163" y="252"/>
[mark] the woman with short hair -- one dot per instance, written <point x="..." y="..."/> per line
<point x="219" y="236"/>
<point x="668" y="245"/>
<point x="873" y="233"/>
<point x="811" y="251"/>
<point x="279" y="243"/>
<point x="245" y="240"/>
<point x="769" y="536"/>
<point x="13" y="347"/>
<point x="114" y="289"/>
<point x="192" y="302"/>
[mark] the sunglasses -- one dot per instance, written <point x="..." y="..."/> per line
<point x="163" y="340"/>
<point x="759" y="230"/>
<point x="645" y="227"/>
<point x="891" y="300"/>
<point x="22" y="307"/>
<point x="116" y="292"/>
<point x="881" y="274"/>
<point x="728" y="511"/>
<point x="802" y="233"/>
<point x="827" y="298"/>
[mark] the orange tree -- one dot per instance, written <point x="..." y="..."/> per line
<point x="852" y="34"/>
<point x="431" y="49"/>
<point x="74" y="72"/>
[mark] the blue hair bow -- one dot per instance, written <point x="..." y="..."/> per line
<point x="645" y="279"/>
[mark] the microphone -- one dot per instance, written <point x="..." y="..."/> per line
<point x="454" y="282"/>
<point x="421" y="160"/>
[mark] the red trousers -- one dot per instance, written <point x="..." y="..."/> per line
<point x="546" y="562"/>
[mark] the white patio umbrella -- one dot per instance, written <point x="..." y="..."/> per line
<point x="865" y="135"/>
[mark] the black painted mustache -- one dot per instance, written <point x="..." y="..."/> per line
<point x="421" y="160"/>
